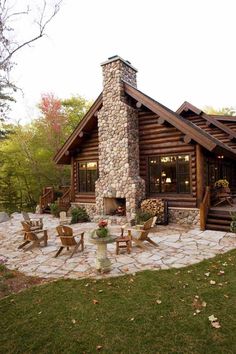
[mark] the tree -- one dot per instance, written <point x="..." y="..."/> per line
<point x="224" y="111"/>
<point x="9" y="14"/>
<point x="26" y="155"/>
<point x="74" y="108"/>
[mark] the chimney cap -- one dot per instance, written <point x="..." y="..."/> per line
<point x="117" y="57"/>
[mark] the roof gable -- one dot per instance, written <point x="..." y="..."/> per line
<point x="63" y="155"/>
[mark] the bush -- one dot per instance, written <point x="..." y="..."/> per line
<point x="79" y="215"/>
<point x="54" y="208"/>
<point x="142" y="216"/>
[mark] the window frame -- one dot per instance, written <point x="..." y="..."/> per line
<point x="158" y="158"/>
<point x="78" y="174"/>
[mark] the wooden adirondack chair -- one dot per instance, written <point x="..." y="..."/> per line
<point x="142" y="232"/>
<point x="32" y="237"/>
<point x="36" y="224"/>
<point x="64" y="219"/>
<point x="68" y="239"/>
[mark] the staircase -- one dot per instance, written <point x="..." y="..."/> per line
<point x="218" y="220"/>
<point x="49" y="196"/>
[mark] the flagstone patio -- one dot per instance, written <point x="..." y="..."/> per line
<point x="179" y="246"/>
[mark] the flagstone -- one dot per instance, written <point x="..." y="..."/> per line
<point x="46" y="269"/>
<point x="177" y="246"/>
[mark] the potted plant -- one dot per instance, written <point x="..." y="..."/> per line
<point x="101" y="237"/>
<point x="221" y="183"/>
<point x="101" y="231"/>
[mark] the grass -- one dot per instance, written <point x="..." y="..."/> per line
<point x="122" y="315"/>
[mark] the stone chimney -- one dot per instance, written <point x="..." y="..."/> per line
<point x="118" y="141"/>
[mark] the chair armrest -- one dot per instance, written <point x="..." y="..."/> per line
<point x="134" y="230"/>
<point x="140" y="226"/>
<point x="79" y="233"/>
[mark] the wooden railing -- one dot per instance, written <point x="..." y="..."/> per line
<point x="65" y="199"/>
<point x="204" y="207"/>
<point x="46" y="198"/>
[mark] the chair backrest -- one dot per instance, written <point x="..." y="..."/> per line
<point x="29" y="235"/>
<point x="146" y="228"/>
<point x="148" y="224"/>
<point x="66" y="235"/>
<point x="25" y="216"/>
<point x="26" y="226"/>
<point x="62" y="215"/>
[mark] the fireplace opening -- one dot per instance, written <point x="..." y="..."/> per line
<point x="114" y="206"/>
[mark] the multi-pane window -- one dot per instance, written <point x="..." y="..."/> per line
<point x="88" y="174"/>
<point x="169" y="174"/>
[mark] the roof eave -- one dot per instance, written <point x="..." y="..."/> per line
<point x="58" y="158"/>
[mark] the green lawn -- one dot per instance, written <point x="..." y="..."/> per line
<point x="61" y="317"/>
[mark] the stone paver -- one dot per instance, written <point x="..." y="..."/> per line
<point x="179" y="246"/>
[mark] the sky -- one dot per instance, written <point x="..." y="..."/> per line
<point x="184" y="50"/>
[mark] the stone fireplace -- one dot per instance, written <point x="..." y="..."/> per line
<point x="115" y="206"/>
<point x="118" y="141"/>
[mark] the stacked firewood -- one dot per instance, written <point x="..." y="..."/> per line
<point x="156" y="207"/>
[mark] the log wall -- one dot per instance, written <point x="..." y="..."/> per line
<point x="88" y="152"/>
<point x="157" y="139"/>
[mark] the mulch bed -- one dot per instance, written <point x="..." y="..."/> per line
<point x="12" y="281"/>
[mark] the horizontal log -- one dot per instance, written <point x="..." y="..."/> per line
<point x="178" y="149"/>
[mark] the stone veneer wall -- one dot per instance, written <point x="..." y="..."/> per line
<point x="184" y="216"/>
<point x="118" y="141"/>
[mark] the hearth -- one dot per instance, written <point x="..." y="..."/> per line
<point x="115" y="206"/>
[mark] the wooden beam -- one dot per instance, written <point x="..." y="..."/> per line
<point x="200" y="174"/>
<point x="173" y="118"/>
<point x="72" y="183"/>
<point x="138" y="104"/>
<point x="83" y="134"/>
<point x="161" y="121"/>
<point x="93" y="109"/>
<point x="187" y="139"/>
<point x="218" y="124"/>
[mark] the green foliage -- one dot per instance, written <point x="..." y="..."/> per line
<point x="9" y="275"/>
<point x="74" y="108"/>
<point x="142" y="216"/>
<point x="225" y="111"/>
<point x="2" y="267"/>
<point x="233" y="223"/>
<point x="26" y="156"/>
<point x="78" y="215"/>
<point x="102" y="232"/>
<point x="127" y="313"/>
<point x="54" y="208"/>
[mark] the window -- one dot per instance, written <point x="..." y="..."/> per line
<point x="169" y="174"/>
<point x="88" y="174"/>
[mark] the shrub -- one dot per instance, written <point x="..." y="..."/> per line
<point x="79" y="215"/>
<point x="54" y="208"/>
<point x="142" y="216"/>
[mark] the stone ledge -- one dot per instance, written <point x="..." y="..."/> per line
<point x="180" y="208"/>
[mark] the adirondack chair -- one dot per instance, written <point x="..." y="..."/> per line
<point x="68" y="239"/>
<point x="64" y="219"/>
<point x="32" y="237"/>
<point x="139" y="233"/>
<point x="36" y="223"/>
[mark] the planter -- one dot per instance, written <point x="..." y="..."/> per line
<point x="102" y="262"/>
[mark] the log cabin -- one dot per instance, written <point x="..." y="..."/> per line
<point x="129" y="147"/>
